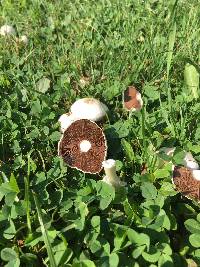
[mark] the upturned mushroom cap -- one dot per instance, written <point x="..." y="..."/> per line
<point x="7" y="30"/>
<point x="132" y="99"/>
<point x="83" y="146"/>
<point x="185" y="182"/>
<point x="89" y="108"/>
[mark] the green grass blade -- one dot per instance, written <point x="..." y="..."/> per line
<point x="44" y="233"/>
<point x="26" y="182"/>
<point x="172" y="36"/>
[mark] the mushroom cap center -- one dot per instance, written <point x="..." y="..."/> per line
<point x="85" y="146"/>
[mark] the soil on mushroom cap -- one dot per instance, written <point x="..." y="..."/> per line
<point x="69" y="146"/>
<point x="185" y="183"/>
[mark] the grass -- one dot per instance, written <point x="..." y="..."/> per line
<point x="110" y="44"/>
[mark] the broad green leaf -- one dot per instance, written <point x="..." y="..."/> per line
<point x="55" y="136"/>
<point x="191" y="77"/>
<point x="62" y="254"/>
<point x="84" y="263"/>
<point x="195" y="240"/>
<point x="13" y="184"/>
<point x="36" y="107"/>
<point x="128" y="150"/>
<point x="14" y="263"/>
<point x="178" y="156"/>
<point x="165" y="248"/>
<point x="95" y="222"/>
<point x="43" y="85"/>
<point x="193" y="226"/>
<point x="113" y="260"/>
<point x="121" y="129"/>
<point x="151" y="92"/>
<point x="8" y="254"/>
<point x="149" y="191"/>
<point x="165" y="260"/>
<point x="10" y="198"/>
<point x="152" y="255"/>
<point x="120" y="235"/>
<point x="167" y="189"/>
<point x="138" y="251"/>
<point x="106" y="193"/>
<point x="82" y="209"/>
<point x="137" y="238"/>
<point x="10" y="231"/>
<point x="161" y="173"/>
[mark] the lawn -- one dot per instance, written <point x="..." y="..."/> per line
<point x="54" y="215"/>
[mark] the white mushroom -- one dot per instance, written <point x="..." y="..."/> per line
<point x="132" y="100"/>
<point x="189" y="162"/>
<point x="89" y="108"/>
<point x="196" y="174"/>
<point x="24" y="39"/>
<point x="111" y="175"/>
<point x="65" y="121"/>
<point x="7" y="30"/>
<point x="83" y="146"/>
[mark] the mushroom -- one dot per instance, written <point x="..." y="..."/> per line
<point x="132" y="100"/>
<point x="6" y="30"/>
<point x="65" y="121"/>
<point x="24" y="39"/>
<point x="188" y="161"/>
<point x="83" y="146"/>
<point x="111" y="175"/>
<point x="89" y="108"/>
<point x="186" y="182"/>
<point x="84" y="108"/>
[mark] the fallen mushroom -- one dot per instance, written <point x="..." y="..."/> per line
<point x="186" y="182"/>
<point x="7" y="30"/>
<point x="89" y="108"/>
<point x="83" y="146"/>
<point x="132" y="100"/>
<point x="111" y="175"/>
<point x="188" y="161"/>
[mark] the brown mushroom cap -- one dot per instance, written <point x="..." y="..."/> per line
<point x="132" y="99"/>
<point x="185" y="183"/>
<point x="69" y="147"/>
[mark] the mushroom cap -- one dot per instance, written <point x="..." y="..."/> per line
<point x="190" y="162"/>
<point x="75" y="151"/>
<point x="24" y="39"/>
<point x="185" y="183"/>
<point x="7" y="30"/>
<point x="89" y="108"/>
<point x="65" y="121"/>
<point x="132" y="100"/>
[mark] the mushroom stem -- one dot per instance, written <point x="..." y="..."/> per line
<point x="111" y="175"/>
